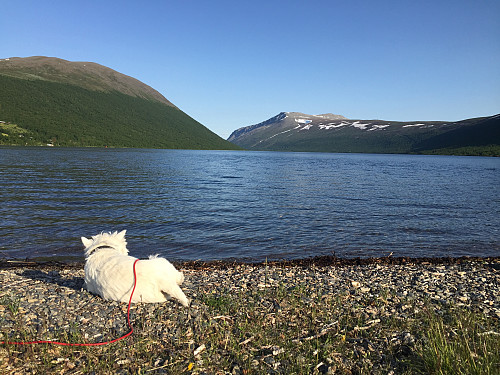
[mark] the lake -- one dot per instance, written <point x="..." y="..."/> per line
<point x="209" y="205"/>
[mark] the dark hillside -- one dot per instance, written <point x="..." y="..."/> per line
<point x="472" y="135"/>
<point x="122" y="113"/>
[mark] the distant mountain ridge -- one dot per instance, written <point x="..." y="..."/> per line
<point x="47" y="100"/>
<point x="237" y="134"/>
<point x="296" y="131"/>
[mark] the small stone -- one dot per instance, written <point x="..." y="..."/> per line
<point x="199" y="349"/>
<point x="277" y="350"/>
<point x="269" y="360"/>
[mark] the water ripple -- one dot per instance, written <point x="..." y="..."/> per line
<point x="248" y="205"/>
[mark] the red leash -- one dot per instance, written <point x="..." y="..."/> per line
<point x="91" y="344"/>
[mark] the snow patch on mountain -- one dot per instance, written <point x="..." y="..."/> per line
<point x="302" y="121"/>
<point x="413" y="125"/>
<point x="360" y="125"/>
<point x="333" y="125"/>
<point x="377" y="127"/>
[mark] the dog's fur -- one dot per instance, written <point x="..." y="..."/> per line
<point x="109" y="272"/>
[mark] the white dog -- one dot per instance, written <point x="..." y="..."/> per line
<point x="109" y="272"/>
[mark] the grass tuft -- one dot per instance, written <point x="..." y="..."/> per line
<point x="460" y="342"/>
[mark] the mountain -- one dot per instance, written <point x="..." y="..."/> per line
<point x="295" y="131"/>
<point x="46" y="100"/>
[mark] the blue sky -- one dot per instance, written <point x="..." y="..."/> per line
<point x="230" y="64"/>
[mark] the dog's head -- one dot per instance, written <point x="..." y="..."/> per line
<point x="115" y="241"/>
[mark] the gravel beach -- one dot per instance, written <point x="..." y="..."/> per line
<point x="351" y="303"/>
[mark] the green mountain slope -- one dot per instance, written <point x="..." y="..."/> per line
<point x="471" y="137"/>
<point x="52" y="101"/>
<point x="294" y="131"/>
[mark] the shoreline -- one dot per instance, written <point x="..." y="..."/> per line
<point x="305" y="316"/>
<point x="316" y="261"/>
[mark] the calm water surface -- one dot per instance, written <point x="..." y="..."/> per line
<point x="208" y="205"/>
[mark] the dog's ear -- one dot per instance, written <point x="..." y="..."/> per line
<point x="86" y="242"/>
<point x="122" y="233"/>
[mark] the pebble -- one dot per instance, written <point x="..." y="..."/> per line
<point x="48" y="301"/>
